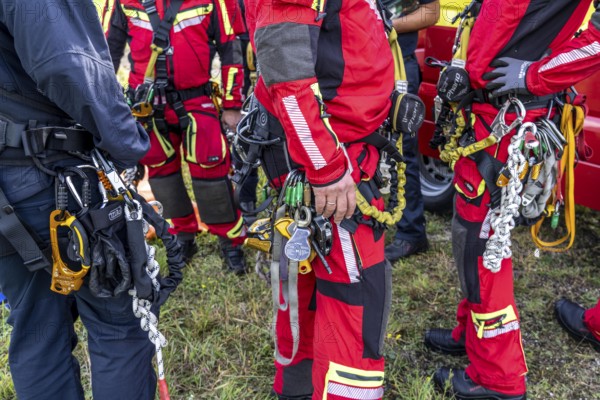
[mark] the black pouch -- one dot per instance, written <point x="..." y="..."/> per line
<point x="454" y="84"/>
<point x="407" y="113"/>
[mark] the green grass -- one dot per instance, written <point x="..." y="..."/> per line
<point x="218" y="325"/>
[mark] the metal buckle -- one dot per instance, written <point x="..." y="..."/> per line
<point x="499" y="126"/>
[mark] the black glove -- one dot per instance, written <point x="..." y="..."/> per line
<point x="508" y="77"/>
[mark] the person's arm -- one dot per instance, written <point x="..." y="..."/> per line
<point x="286" y="51"/>
<point x="226" y="24"/>
<point x="68" y="58"/>
<point x="116" y="34"/>
<point x="571" y="63"/>
<point x="425" y="16"/>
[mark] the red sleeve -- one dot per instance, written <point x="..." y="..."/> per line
<point x="285" y="50"/>
<point x="495" y="25"/>
<point x="569" y="64"/>
<point x="230" y="24"/>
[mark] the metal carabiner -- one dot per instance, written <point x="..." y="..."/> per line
<point x="499" y="126"/>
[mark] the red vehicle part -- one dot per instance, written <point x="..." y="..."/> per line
<point x="436" y="176"/>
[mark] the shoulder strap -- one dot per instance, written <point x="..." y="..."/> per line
<point x="162" y="27"/>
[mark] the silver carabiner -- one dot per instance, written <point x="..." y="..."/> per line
<point x="499" y="126"/>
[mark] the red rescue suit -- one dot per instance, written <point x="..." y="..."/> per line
<point x="327" y="74"/>
<point x="488" y="317"/>
<point x="200" y="27"/>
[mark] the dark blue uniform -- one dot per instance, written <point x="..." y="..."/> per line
<point x="55" y="69"/>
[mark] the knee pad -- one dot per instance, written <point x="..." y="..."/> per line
<point x="215" y="200"/>
<point x="171" y="192"/>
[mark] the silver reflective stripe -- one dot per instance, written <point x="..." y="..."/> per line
<point x="141" y="24"/>
<point x="590" y="50"/>
<point x="349" y="257"/>
<point x="492" y="333"/>
<point x="351" y="392"/>
<point x="188" y="22"/>
<point x="303" y="131"/>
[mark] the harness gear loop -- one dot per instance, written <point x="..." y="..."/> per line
<point x="571" y="126"/>
<point x="502" y="219"/>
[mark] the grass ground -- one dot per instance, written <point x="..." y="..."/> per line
<point x="218" y="325"/>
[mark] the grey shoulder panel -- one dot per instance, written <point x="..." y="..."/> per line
<point x="286" y="51"/>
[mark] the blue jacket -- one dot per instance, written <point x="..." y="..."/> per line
<point x="54" y="52"/>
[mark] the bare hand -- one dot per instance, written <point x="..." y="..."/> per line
<point x="337" y="199"/>
<point x="231" y="118"/>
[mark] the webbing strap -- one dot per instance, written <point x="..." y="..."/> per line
<point x="571" y="125"/>
<point x="15" y="233"/>
<point x="290" y="292"/>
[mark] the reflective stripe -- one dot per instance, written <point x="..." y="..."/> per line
<point x="486" y="227"/>
<point x="193" y="12"/>
<point x="590" y="50"/>
<point x="106" y="16"/>
<point x="236" y="231"/>
<point x="349" y="256"/>
<point x="226" y="21"/>
<point x="141" y="24"/>
<point x="351" y="392"/>
<point x="191" y="140"/>
<point x="495" y="323"/>
<point x="188" y="22"/>
<point x="374" y="8"/>
<point x="353" y="383"/>
<point x="492" y="333"/>
<point x="135" y="13"/>
<point x="299" y="122"/>
<point x="230" y="82"/>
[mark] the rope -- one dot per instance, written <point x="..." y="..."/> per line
<point x="502" y="219"/>
<point x="142" y="308"/>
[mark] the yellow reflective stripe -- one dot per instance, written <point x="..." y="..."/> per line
<point x="236" y="231"/>
<point x="374" y="379"/>
<point x="134" y="13"/>
<point x="480" y="190"/>
<point x="503" y="316"/>
<point x="164" y="143"/>
<point x="230" y="82"/>
<point x="194" y="12"/>
<point x="106" y="16"/>
<point x="192" y="129"/>
<point x="225" y="16"/>
<point x="318" y="5"/>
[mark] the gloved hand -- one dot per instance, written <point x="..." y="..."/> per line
<point x="508" y="77"/>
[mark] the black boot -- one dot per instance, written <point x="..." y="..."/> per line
<point x="401" y="248"/>
<point x="441" y="340"/>
<point x="189" y="248"/>
<point x="233" y="256"/>
<point x="570" y="317"/>
<point x="463" y="388"/>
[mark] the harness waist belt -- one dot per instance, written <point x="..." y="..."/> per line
<point x="529" y="101"/>
<point x="174" y="96"/>
<point x="35" y="141"/>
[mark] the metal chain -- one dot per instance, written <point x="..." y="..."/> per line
<point x="502" y="221"/>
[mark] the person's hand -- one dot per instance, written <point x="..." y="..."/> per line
<point x="231" y="118"/>
<point x="337" y="199"/>
<point x="509" y="76"/>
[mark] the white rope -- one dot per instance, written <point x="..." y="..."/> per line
<point x="502" y="221"/>
<point x="142" y="308"/>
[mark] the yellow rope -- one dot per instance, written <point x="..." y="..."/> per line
<point x="571" y="125"/>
